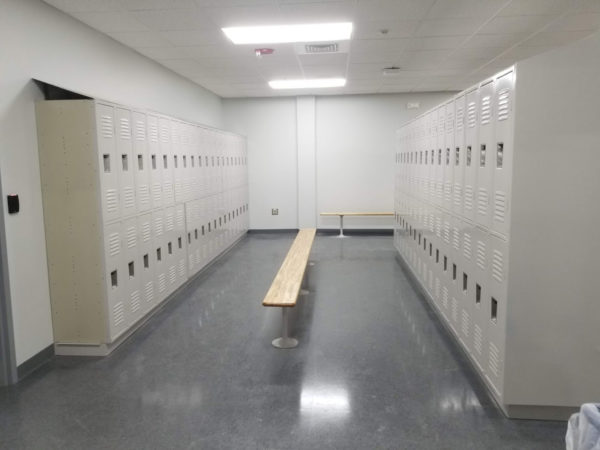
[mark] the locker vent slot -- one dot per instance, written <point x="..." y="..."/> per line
<point x="158" y="226"/>
<point x="481" y="254"/>
<point x="146" y="261"/>
<point x="106" y="163"/>
<point x="131" y="237"/>
<point x="180" y="218"/>
<point x="448" y="191"/>
<point x="494" y="360"/>
<point x="499" y="155"/>
<point x="482" y="155"/>
<point x="128" y="197"/>
<point x="149" y="292"/>
<point x="454" y="310"/>
<point x="465" y="282"/>
<point x="106" y="127"/>
<point x="468" y="198"/>
<point x="146" y="235"/>
<point x="471" y="114"/>
<point x="114" y="281"/>
<point x="153" y="159"/>
<point x="124" y="129"/>
<point x="114" y="244"/>
<point x="454" y="271"/>
<point x="465" y="323"/>
<point x="172" y="275"/>
<point x="157" y="193"/>
<point x="170" y="248"/>
<point x="164" y="135"/>
<point x="140" y="160"/>
<point x="125" y="163"/>
<point x="162" y="283"/>
<point x="445" y="297"/>
<point x="437" y="255"/>
<point x="446" y="232"/>
<point x="460" y="117"/>
<point x="168" y="190"/>
<point x="457" y="156"/>
<point x="486" y="110"/>
<point x="494" y="310"/>
<point x="482" y="201"/>
<point x="144" y="192"/>
<point x="153" y="132"/>
<point x="498" y="266"/>
<point x="450" y="122"/>
<point x="170" y="222"/>
<point x="456" y="239"/>
<point x="478" y="339"/>
<point x="182" y="268"/>
<point x="112" y="203"/>
<point x="445" y="263"/>
<point x="477" y="294"/>
<point x="437" y="288"/>
<point x="503" y="104"/>
<point x="159" y="254"/>
<point x="118" y="314"/>
<point x="467" y="245"/>
<point x="499" y="206"/>
<point x="469" y="155"/>
<point x="135" y="301"/>
<point x="140" y="130"/>
<point x="179" y="243"/>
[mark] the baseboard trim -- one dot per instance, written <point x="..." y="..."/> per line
<point x="35" y="362"/>
<point x="272" y="230"/>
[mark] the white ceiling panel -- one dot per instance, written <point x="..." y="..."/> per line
<point x="438" y="44"/>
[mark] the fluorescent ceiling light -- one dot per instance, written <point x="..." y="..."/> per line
<point x="281" y="34"/>
<point x="303" y="84"/>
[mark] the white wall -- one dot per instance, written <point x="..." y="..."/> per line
<point x="355" y="145"/>
<point x="40" y="42"/>
<point x="270" y="127"/>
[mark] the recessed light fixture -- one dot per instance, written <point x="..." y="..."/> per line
<point x="311" y="83"/>
<point x="281" y="34"/>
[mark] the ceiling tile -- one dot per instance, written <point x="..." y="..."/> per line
<point x="176" y="19"/>
<point x="140" y="5"/>
<point x="371" y="29"/>
<point x="325" y="71"/>
<point x="448" y="27"/>
<point x="211" y="35"/>
<point x="494" y="40"/>
<point x="435" y="43"/>
<point x="379" y="45"/>
<point x="234" y="16"/>
<point x="140" y="39"/>
<point x="555" y="39"/>
<point x="515" y="24"/>
<point x="327" y="59"/>
<point x="476" y="53"/>
<point x="399" y="9"/>
<point x="163" y="53"/>
<point x="576" y="22"/>
<point x="110" y="21"/>
<point x="536" y="7"/>
<point x="323" y="12"/>
<point x="71" y="6"/>
<point x="465" y="8"/>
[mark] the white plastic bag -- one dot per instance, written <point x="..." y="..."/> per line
<point x="583" y="430"/>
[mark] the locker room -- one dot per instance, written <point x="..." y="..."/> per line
<point x="268" y="224"/>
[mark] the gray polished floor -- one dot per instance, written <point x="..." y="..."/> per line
<point x="374" y="369"/>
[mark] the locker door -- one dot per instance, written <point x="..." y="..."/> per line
<point x="171" y="245"/>
<point x="481" y="282"/>
<point x="502" y="160"/>
<point x="108" y="164"/>
<point x="430" y="162"/>
<point x="160" y="255"/>
<point x="191" y="219"/>
<point x="448" y="156"/>
<point x="116" y="280"/>
<point x="141" y="162"/>
<point x="459" y="156"/>
<point x="155" y="166"/>
<point x="177" y="159"/>
<point x="146" y="261"/>
<point x="465" y="275"/>
<point x="168" y="188"/>
<point x="126" y="165"/>
<point x="471" y="139"/>
<point x="485" y="154"/>
<point x="194" y="166"/>
<point x="129" y="231"/>
<point x="181" y="244"/>
<point x="203" y="163"/>
<point x="439" y="156"/>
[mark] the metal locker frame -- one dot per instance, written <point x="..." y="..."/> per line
<point x="107" y="161"/>
<point x="485" y="154"/>
<point x="146" y="255"/>
<point x="125" y="162"/>
<point x="166" y="151"/>
<point x="142" y="163"/>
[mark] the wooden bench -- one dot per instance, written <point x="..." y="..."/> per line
<point x="342" y="214"/>
<point x="286" y="286"/>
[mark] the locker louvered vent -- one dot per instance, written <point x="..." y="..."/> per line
<point x="146" y="232"/>
<point x="466" y="323"/>
<point x="445" y="297"/>
<point x="321" y="48"/>
<point x="481" y="255"/>
<point x="467" y="245"/>
<point x="144" y="195"/>
<point x="135" y="301"/>
<point x="172" y="275"/>
<point x="128" y="197"/>
<point x="118" y="314"/>
<point x="503" y="104"/>
<point x="499" y="206"/>
<point x="460" y="117"/>
<point x="124" y="129"/>
<point x="482" y="201"/>
<point x="471" y="115"/>
<point x="454" y="310"/>
<point x="140" y="130"/>
<point x="114" y="244"/>
<point x="468" y="198"/>
<point x="456" y="239"/>
<point x="106" y="126"/>
<point x="478" y="339"/>
<point x="162" y="282"/>
<point x="158" y="226"/>
<point x="494" y="359"/>
<point x="450" y="123"/>
<point x="131" y="237"/>
<point x="153" y="133"/>
<point x="182" y="268"/>
<point x="498" y="266"/>
<point x="149" y="292"/>
<point x="486" y="110"/>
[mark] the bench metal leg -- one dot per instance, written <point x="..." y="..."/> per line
<point x="285" y="341"/>
<point x="341" y="235"/>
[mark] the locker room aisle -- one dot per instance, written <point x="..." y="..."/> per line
<point x="374" y="369"/>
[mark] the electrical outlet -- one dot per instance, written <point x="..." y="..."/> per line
<point x="275" y="211"/>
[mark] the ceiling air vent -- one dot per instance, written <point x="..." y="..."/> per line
<point x="321" y="48"/>
<point x="391" y="71"/>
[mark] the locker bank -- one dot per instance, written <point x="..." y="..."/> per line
<point x="175" y="176"/>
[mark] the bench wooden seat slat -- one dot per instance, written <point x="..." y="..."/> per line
<point x="285" y="288"/>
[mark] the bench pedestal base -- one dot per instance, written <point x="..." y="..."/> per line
<point x="285" y="341"/>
